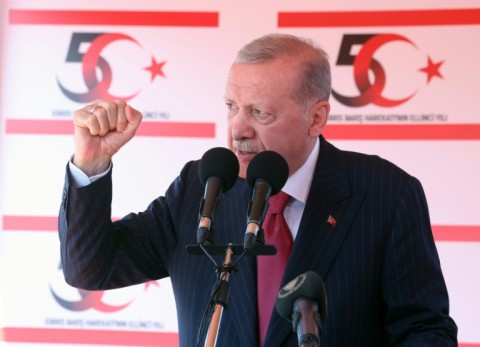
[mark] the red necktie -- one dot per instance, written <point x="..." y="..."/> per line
<point x="270" y="268"/>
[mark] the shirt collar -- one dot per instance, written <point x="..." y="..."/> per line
<point x="298" y="184"/>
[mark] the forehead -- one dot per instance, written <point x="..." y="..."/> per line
<point x="276" y="78"/>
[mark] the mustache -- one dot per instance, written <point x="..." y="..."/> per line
<point x="245" y="146"/>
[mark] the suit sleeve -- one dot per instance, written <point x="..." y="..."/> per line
<point x="99" y="254"/>
<point x="413" y="285"/>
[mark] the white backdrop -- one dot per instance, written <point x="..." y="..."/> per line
<point x="170" y="59"/>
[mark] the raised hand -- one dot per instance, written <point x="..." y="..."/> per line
<point x="101" y="130"/>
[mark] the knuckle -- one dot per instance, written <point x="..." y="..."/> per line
<point x="110" y="106"/>
<point x="91" y="120"/>
<point x="121" y="104"/>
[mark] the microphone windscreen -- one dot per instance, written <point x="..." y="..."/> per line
<point x="222" y="163"/>
<point x="270" y="167"/>
<point x="308" y="285"/>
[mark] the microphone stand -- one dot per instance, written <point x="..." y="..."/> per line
<point x="221" y="289"/>
<point x="220" y="299"/>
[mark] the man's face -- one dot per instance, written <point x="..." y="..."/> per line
<point x="262" y="114"/>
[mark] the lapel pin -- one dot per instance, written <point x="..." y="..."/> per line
<point x="332" y="221"/>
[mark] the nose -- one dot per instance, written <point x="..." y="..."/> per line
<point x="240" y="127"/>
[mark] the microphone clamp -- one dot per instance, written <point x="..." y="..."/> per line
<point x="205" y="233"/>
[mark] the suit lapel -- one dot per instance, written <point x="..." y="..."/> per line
<point x="328" y="213"/>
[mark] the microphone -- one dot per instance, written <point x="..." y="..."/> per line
<point x="218" y="172"/>
<point x="266" y="174"/>
<point x="303" y="301"/>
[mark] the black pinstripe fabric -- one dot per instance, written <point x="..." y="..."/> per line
<point x="379" y="262"/>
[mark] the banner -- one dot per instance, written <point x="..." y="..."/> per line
<point x="405" y="87"/>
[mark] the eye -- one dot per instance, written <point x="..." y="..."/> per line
<point x="262" y="116"/>
<point x="230" y="105"/>
<point x="257" y="113"/>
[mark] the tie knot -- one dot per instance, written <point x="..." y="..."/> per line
<point x="278" y="202"/>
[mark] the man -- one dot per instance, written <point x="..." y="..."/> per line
<point x="358" y="221"/>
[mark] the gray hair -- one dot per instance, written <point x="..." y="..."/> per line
<point x="314" y="76"/>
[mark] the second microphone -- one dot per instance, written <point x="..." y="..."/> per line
<point x="266" y="174"/>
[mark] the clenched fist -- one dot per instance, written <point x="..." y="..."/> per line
<point x="101" y="130"/>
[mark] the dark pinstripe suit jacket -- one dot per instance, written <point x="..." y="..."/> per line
<point x="379" y="262"/>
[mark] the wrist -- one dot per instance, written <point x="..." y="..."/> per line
<point x="91" y="168"/>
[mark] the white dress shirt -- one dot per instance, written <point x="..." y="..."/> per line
<point x="298" y="186"/>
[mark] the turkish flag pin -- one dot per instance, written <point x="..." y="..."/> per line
<point x="332" y="221"/>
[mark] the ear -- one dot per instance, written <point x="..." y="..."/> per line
<point x="319" y="112"/>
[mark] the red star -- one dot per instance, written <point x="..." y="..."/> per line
<point x="155" y="69"/>
<point x="432" y="69"/>
<point x="150" y="283"/>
